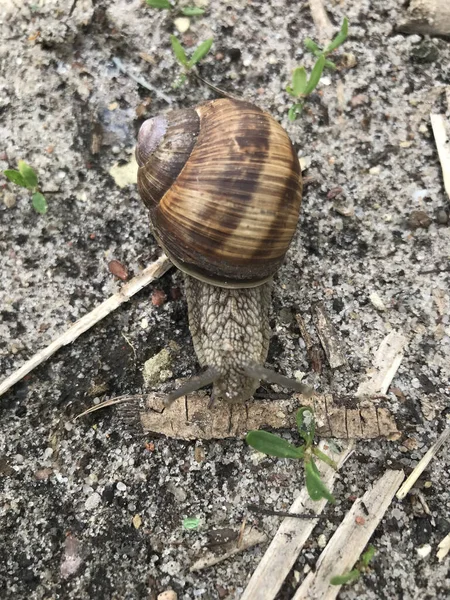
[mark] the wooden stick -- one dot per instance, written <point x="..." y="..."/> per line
<point x="444" y="548"/>
<point x="442" y="137"/>
<point x="423" y="463"/>
<point x="350" y="539"/>
<point x="290" y="538"/>
<point x="387" y="361"/>
<point x="152" y="272"/>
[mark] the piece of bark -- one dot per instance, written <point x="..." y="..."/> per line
<point x="387" y="361"/>
<point x="189" y="417"/>
<point x="250" y="538"/>
<point x="430" y="17"/>
<point x="349" y="540"/>
<point x="291" y="536"/>
<point x="311" y="348"/>
<point x="149" y="274"/>
<point x="328" y="336"/>
<point x="441" y="132"/>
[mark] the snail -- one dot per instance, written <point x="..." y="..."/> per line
<point x="223" y="186"/>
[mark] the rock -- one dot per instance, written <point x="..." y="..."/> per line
<point x="153" y="367"/>
<point x="418" y="219"/>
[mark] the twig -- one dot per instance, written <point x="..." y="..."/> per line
<point x="110" y="402"/>
<point x="328" y="336"/>
<point x="321" y="20"/>
<point x="249" y="539"/>
<point x="423" y="463"/>
<point x="442" y="138"/>
<point x="350" y="539"/>
<point x="262" y="510"/>
<point x="387" y="361"/>
<point x="119" y="64"/>
<point x="152" y="272"/>
<point x="290" y="538"/>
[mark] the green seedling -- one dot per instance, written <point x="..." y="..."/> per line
<point x="26" y="177"/>
<point x="302" y="85"/>
<point x="273" y="445"/>
<point x="187" y="63"/>
<point x="187" y="11"/>
<point x="361" y="567"/>
<point x="191" y="523"/>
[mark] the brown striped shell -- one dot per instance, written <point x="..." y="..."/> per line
<point x="223" y="186"/>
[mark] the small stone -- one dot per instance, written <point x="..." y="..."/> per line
<point x="424" y="550"/>
<point x="360" y="520"/>
<point x="158" y="297"/>
<point x="182" y="24"/>
<point x="305" y="162"/>
<point x="375" y="170"/>
<point x="165" y="374"/>
<point x="178" y="492"/>
<point x="153" y="367"/>
<point x="93" y="501"/>
<point x="321" y="541"/>
<point x="9" y="199"/>
<point x="168" y="595"/>
<point x="137" y="521"/>
<point x="118" y="270"/>
<point x="43" y="474"/>
<point x="418" y="219"/>
<point x="377" y="302"/>
<point x="121" y="486"/>
<point x="442" y="217"/>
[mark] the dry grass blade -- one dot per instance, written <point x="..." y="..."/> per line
<point x="152" y="272"/>
<point x="106" y="403"/>
<point x="350" y="539"/>
<point x="442" y="137"/>
<point x="423" y="463"/>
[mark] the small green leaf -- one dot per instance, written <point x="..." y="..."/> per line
<point x="367" y="556"/>
<point x="339" y="39"/>
<point x="315" y="486"/>
<point x="178" y="50"/>
<point x="200" y="52"/>
<point x="299" y="79"/>
<point x="316" y="74"/>
<point x="345" y="578"/>
<point x="161" y="4"/>
<point x="306" y="424"/>
<point x="295" y="110"/>
<point x="329" y="64"/>
<point x="15" y="177"/>
<point x="28" y="174"/>
<point x="312" y="47"/>
<point x="191" y="523"/>
<point x="192" y="11"/>
<point x="39" y="203"/>
<point x="179" y="81"/>
<point x="324" y="458"/>
<point x="273" y="445"/>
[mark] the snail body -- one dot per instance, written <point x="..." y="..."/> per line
<point x="223" y="186"/>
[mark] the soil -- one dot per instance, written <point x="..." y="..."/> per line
<point x="92" y="508"/>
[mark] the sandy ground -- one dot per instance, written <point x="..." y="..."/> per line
<point x="77" y="488"/>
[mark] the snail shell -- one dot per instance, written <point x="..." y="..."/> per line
<point x="223" y="186"/>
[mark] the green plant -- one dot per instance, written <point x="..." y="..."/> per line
<point x="273" y="445"/>
<point x="187" y="63"/>
<point x="361" y="567"/>
<point x="187" y="11"/>
<point x="302" y="86"/>
<point x="26" y="177"/>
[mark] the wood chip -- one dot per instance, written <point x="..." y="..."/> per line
<point x="189" y="418"/>
<point x="291" y="537"/>
<point x="350" y="539"/>
<point x="128" y="290"/>
<point x="441" y="131"/>
<point x="321" y="21"/>
<point x="250" y="538"/>
<point x="387" y="360"/>
<point x="328" y="336"/>
<point x="423" y="463"/>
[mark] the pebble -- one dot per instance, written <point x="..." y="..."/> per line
<point x="182" y="24"/>
<point x="121" y="486"/>
<point x="168" y="595"/>
<point x="93" y="501"/>
<point x="155" y="365"/>
<point x="418" y="219"/>
<point x="377" y="302"/>
<point x="424" y="550"/>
